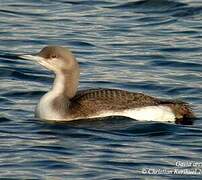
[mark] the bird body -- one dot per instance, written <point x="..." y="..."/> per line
<point x="64" y="103"/>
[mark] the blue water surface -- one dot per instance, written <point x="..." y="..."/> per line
<point x="149" y="46"/>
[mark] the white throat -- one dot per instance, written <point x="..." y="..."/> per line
<point x="44" y="109"/>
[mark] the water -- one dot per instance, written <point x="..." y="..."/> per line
<point x="149" y="46"/>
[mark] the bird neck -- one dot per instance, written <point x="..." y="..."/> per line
<point x="55" y="104"/>
<point x="66" y="83"/>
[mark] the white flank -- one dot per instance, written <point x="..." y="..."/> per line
<point x="149" y="113"/>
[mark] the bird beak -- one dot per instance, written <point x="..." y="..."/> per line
<point x="42" y="61"/>
<point x="32" y="58"/>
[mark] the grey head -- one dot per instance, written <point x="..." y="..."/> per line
<point x="62" y="62"/>
<point x="55" y="58"/>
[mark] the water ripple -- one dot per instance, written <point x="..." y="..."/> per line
<point x="148" y="46"/>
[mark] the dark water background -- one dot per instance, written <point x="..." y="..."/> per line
<point x="150" y="46"/>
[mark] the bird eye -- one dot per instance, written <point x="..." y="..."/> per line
<point x="53" y="56"/>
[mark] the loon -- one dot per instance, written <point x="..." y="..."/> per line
<point x="64" y="103"/>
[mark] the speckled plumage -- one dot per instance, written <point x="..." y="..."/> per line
<point x="92" y="101"/>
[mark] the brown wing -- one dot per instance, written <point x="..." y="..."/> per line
<point x="96" y="100"/>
